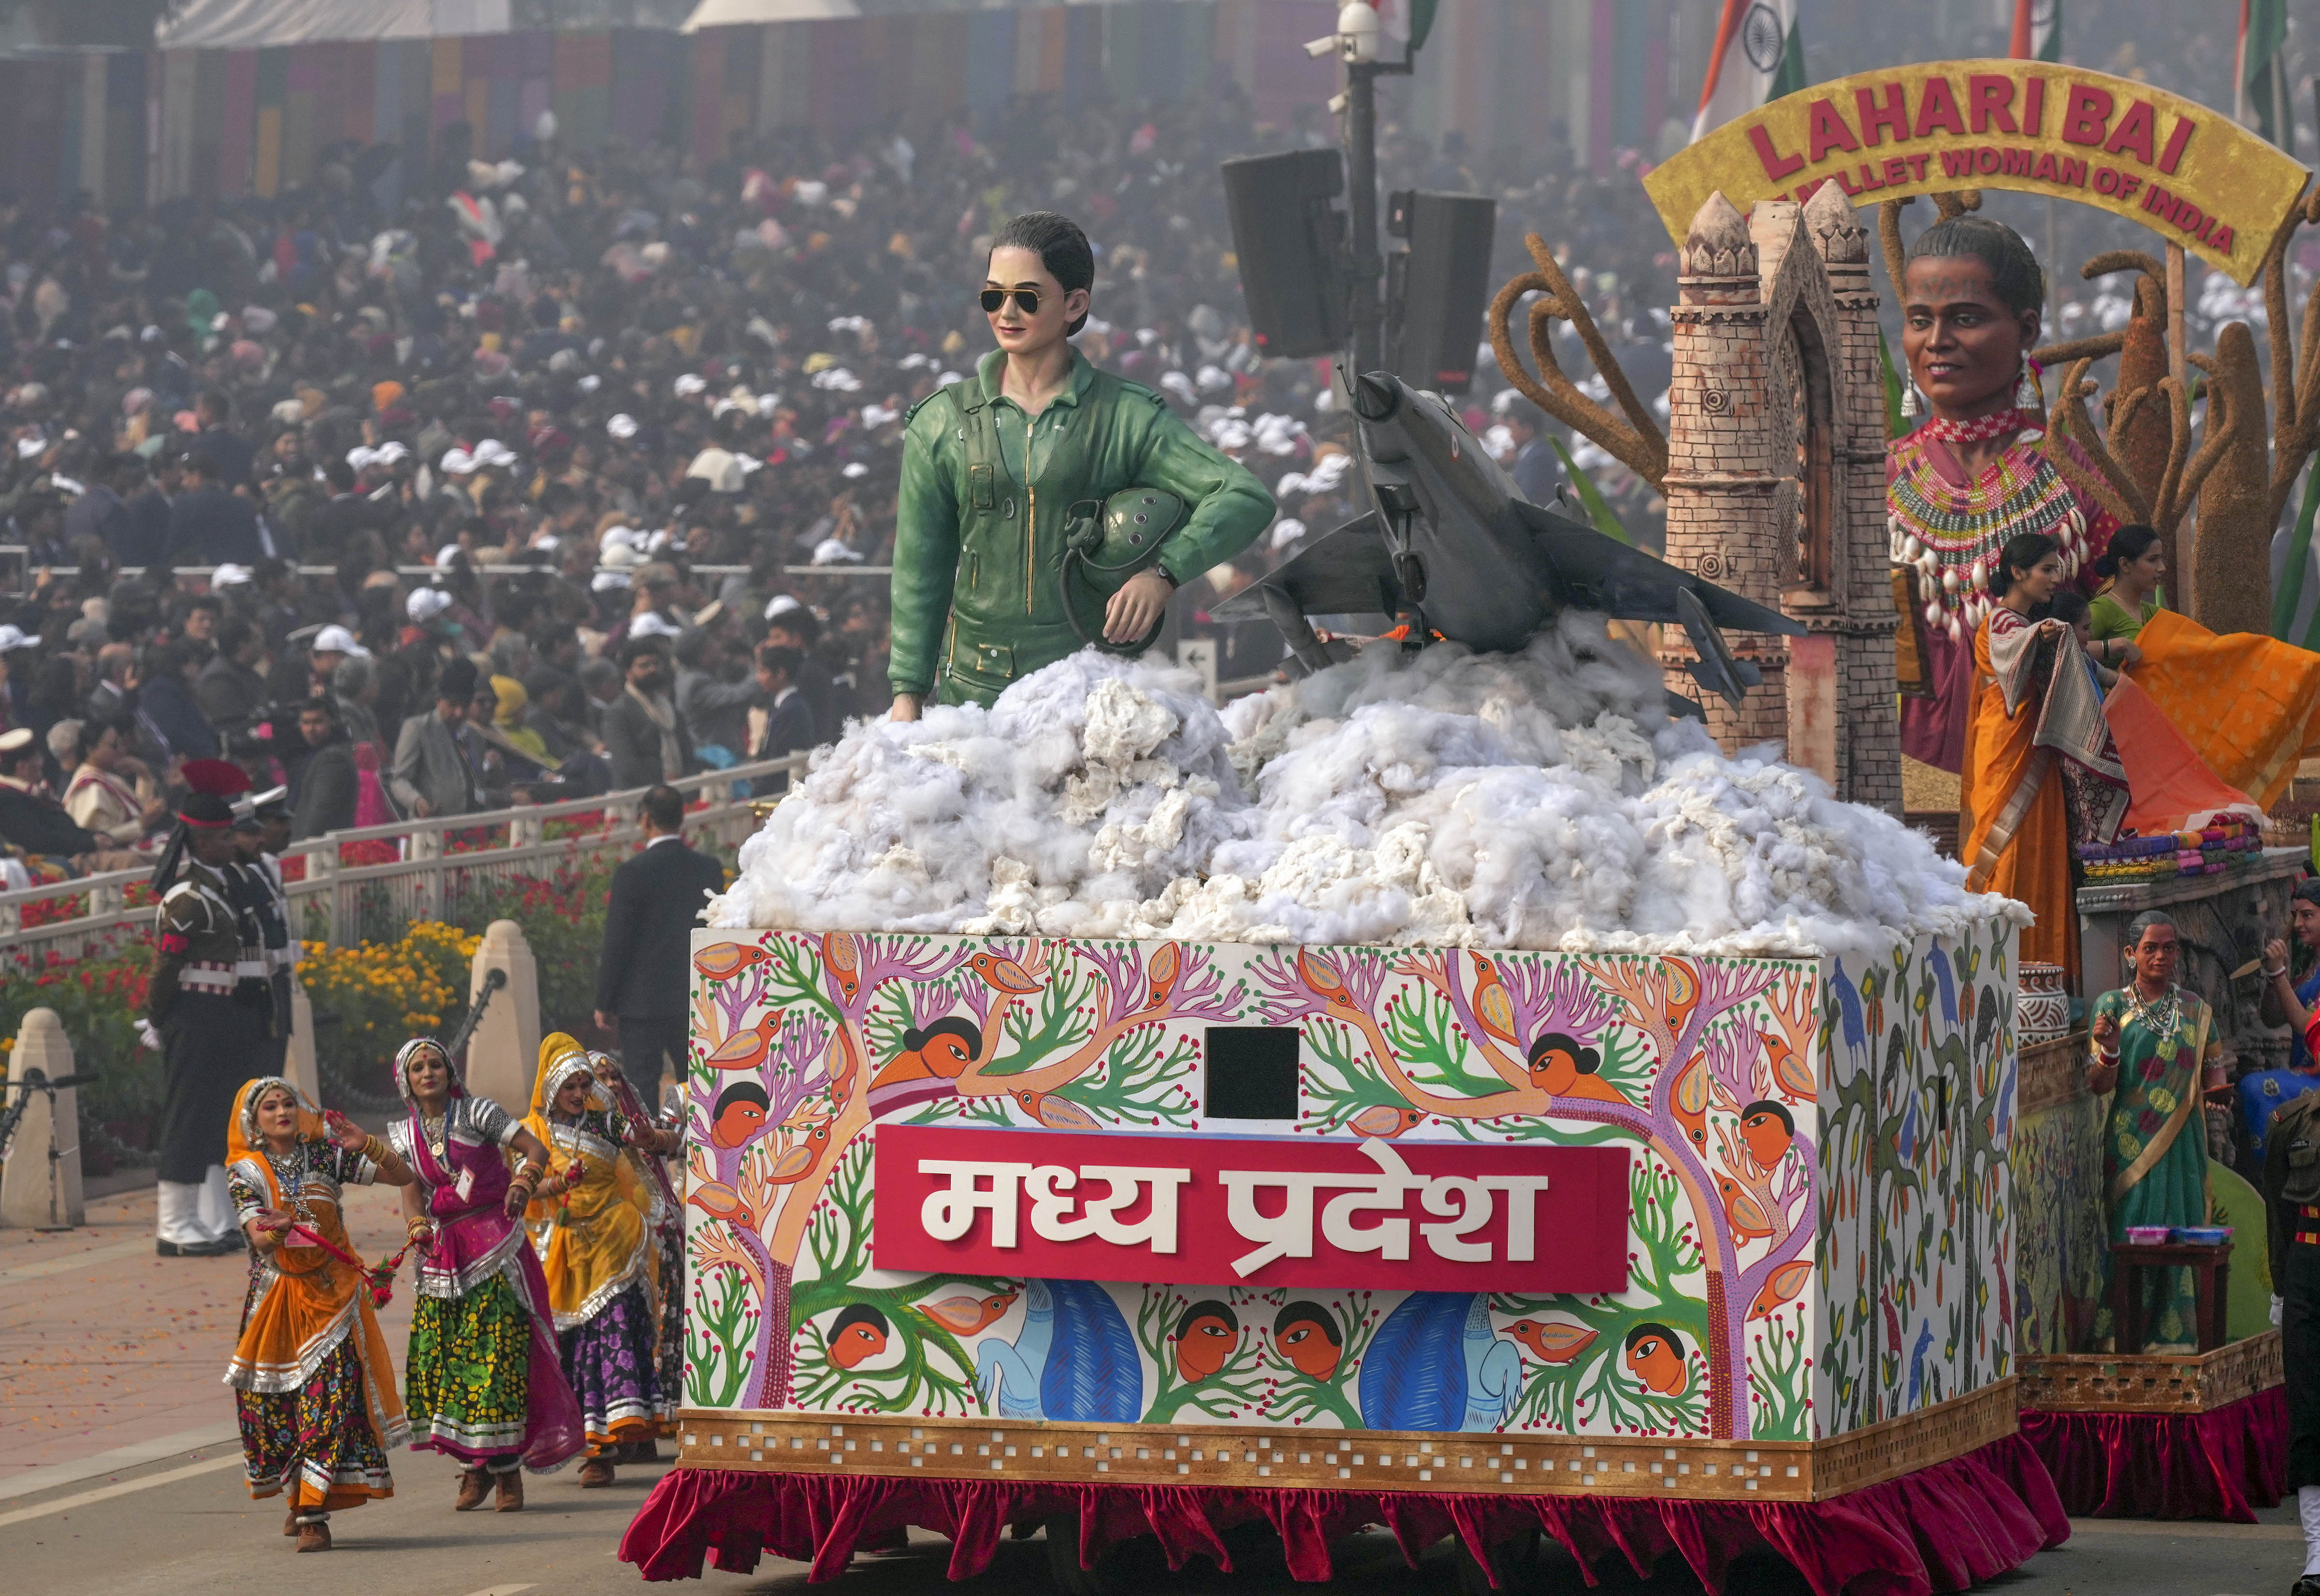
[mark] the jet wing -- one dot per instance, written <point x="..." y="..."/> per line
<point x="1592" y="572"/>
<point x="1349" y="572"/>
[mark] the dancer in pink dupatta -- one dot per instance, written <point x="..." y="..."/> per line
<point x="484" y="1381"/>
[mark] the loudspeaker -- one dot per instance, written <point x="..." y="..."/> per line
<point x="1441" y="287"/>
<point x="1290" y="241"/>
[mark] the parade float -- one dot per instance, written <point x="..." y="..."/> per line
<point x="2171" y="1434"/>
<point x="1635" y="1173"/>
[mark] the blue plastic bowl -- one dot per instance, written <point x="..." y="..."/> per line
<point x="2202" y="1235"/>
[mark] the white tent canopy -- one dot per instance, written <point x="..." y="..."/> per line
<point x="245" y="24"/>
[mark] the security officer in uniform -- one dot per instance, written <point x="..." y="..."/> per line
<point x="259" y="833"/>
<point x="995" y="467"/>
<point x="2291" y="1190"/>
<point x="212" y="1022"/>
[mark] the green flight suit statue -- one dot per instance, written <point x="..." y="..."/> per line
<point x="989" y="481"/>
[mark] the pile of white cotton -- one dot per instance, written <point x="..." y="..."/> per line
<point x="1542" y="799"/>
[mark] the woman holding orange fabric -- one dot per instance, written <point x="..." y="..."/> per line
<point x="2039" y="767"/>
<point x="313" y="1384"/>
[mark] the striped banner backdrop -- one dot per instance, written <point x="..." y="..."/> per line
<point x="155" y="125"/>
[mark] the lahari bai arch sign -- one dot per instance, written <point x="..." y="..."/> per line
<point x="2184" y="169"/>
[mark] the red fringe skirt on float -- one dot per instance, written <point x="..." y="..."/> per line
<point x="2222" y="1464"/>
<point x="1945" y="1527"/>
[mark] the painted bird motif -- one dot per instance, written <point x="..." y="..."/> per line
<point x="1009" y="1374"/>
<point x="1321" y="979"/>
<point x="1167" y="964"/>
<point x="722" y="961"/>
<point x="717" y="1201"/>
<point x="841" y="955"/>
<point x="1780" y="1288"/>
<point x="1003" y="974"/>
<point x="1742" y="1213"/>
<point x="1494" y="1009"/>
<point x="1494" y="1369"/>
<point x="1918" y="1362"/>
<point x="1792" y="1070"/>
<point x="802" y="1158"/>
<point x="1384" y="1121"/>
<point x="747" y="1048"/>
<point x="1682" y="993"/>
<point x="963" y="1316"/>
<point x="1551" y="1341"/>
<point x="1904" y="1140"/>
<point x="1056" y="1113"/>
<point x="1689" y="1100"/>
<point x="846" y="1063"/>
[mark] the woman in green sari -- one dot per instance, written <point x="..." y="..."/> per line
<point x="2152" y="1041"/>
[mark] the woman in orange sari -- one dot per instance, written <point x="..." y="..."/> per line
<point x="2040" y="771"/>
<point x="314" y="1383"/>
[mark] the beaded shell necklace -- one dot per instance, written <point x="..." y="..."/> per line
<point x="1951" y="532"/>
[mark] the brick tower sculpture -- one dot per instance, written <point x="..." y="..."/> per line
<point x="1776" y="479"/>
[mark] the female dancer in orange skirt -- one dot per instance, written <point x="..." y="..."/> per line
<point x="313" y="1384"/>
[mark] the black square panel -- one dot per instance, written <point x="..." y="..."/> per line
<point x="1252" y="1072"/>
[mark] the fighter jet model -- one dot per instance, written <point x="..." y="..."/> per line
<point x="1453" y="548"/>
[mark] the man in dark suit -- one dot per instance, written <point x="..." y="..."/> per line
<point x="644" y="973"/>
<point x="1536" y="469"/>
<point x="326" y="791"/>
<point x="236" y="457"/>
<point x="211" y="526"/>
<point x="149" y="508"/>
<point x="789" y="722"/>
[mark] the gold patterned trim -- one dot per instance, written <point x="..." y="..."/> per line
<point x="2153" y="1382"/>
<point x="1355" y="1460"/>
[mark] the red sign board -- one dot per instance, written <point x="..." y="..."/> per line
<point x="1254" y="1211"/>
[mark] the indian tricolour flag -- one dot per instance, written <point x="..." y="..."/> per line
<point x="2037" y="31"/>
<point x="1758" y="57"/>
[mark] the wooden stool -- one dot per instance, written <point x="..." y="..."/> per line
<point x="2211" y="1273"/>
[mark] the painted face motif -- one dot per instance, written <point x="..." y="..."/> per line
<point x="1655" y="1358"/>
<point x="947" y="1054"/>
<point x="740" y="1114"/>
<point x="1766" y="1130"/>
<point x="1205" y="1339"/>
<point x="859" y="1335"/>
<point x="1308" y="1339"/>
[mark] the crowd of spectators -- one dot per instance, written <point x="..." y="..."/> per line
<point x="569" y="471"/>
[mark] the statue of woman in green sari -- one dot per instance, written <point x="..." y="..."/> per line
<point x="2152" y="1043"/>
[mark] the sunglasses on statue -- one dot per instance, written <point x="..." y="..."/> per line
<point x="1027" y="300"/>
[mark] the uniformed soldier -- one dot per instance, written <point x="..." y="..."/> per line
<point x="258" y="834"/>
<point x="994" y="466"/>
<point x="2291" y="1190"/>
<point x="212" y="1024"/>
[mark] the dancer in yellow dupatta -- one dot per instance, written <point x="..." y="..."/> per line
<point x="313" y="1383"/>
<point x="592" y="1223"/>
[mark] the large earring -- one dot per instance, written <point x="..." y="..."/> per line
<point x="2026" y="394"/>
<point x="1908" y="398"/>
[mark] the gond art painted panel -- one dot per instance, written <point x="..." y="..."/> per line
<point x="1712" y="1077"/>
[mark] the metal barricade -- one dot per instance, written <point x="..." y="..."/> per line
<point x="437" y="863"/>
